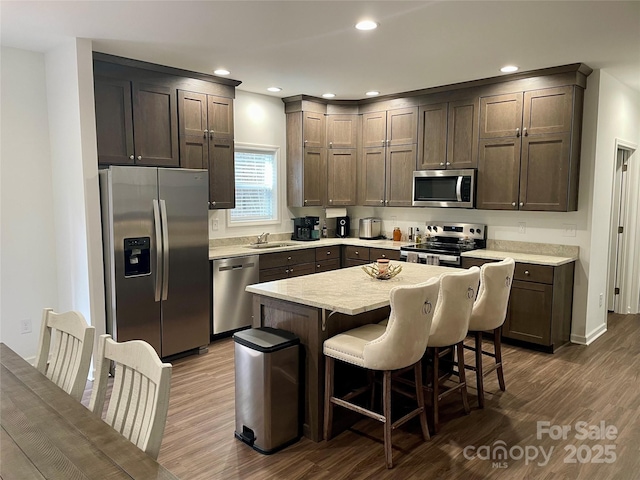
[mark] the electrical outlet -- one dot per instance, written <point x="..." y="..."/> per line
<point x="601" y="298"/>
<point x="25" y="326"/>
<point x="214" y="224"/>
<point x="568" y="230"/>
<point x="522" y="228"/>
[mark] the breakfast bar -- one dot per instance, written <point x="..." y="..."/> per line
<point x="319" y="306"/>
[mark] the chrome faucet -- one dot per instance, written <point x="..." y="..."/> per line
<point x="263" y="238"/>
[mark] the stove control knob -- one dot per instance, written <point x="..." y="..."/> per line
<point x="472" y="230"/>
<point x="435" y="229"/>
<point x="479" y="231"/>
<point x="428" y="227"/>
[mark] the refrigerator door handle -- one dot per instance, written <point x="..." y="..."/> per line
<point x="165" y="250"/>
<point x="158" y="229"/>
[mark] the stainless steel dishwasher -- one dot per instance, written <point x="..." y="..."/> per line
<point x="232" y="306"/>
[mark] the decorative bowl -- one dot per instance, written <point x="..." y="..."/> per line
<point x="374" y="272"/>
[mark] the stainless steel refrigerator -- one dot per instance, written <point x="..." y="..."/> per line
<point x="156" y="256"/>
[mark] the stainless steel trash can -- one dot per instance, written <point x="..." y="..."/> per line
<point x="267" y="388"/>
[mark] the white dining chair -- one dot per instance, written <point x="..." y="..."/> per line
<point x="140" y="394"/>
<point x="64" y="350"/>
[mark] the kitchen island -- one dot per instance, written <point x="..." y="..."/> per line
<point x="316" y="307"/>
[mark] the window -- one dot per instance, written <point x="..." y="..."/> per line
<point x="256" y="185"/>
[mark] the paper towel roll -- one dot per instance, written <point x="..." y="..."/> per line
<point x="336" y="212"/>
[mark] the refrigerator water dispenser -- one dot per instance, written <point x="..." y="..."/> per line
<point x="137" y="256"/>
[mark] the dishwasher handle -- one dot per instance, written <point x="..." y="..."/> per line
<point x="240" y="266"/>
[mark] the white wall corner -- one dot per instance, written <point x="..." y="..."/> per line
<point x="591" y="337"/>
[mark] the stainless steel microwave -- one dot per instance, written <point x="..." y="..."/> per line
<point x="444" y="188"/>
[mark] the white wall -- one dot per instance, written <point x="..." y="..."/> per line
<point x="258" y="120"/>
<point x="51" y="234"/>
<point x="618" y="119"/>
<point x="28" y="271"/>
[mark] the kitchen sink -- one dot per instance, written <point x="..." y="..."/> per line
<point x="259" y="246"/>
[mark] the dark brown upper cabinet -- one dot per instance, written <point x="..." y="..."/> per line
<point x="529" y="150"/>
<point x="206" y="141"/>
<point x="342" y="131"/>
<point x="341" y="176"/>
<point x="306" y="159"/>
<point x="448" y="135"/>
<point x="389" y="141"/>
<point x="136" y="123"/>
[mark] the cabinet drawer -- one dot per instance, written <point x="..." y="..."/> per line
<point x="272" y="274"/>
<point x="350" y="262"/>
<point x="328" y="253"/>
<point x="327" y="265"/>
<point x="280" y="259"/>
<point x="528" y="272"/>
<point x="468" y="262"/>
<point x="384" y="253"/>
<point x="302" y="269"/>
<point x="357" y="253"/>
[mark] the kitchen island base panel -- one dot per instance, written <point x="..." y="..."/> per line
<point x="307" y="322"/>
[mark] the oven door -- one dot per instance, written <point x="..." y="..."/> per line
<point x="444" y="188"/>
<point x="444" y="260"/>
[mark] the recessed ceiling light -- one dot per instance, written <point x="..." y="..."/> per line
<point x="509" y="69"/>
<point x="328" y="95"/>
<point x="221" y="71"/>
<point x="366" y="25"/>
<point x="372" y="93"/>
<point x="274" y="89"/>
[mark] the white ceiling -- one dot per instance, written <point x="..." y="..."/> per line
<point x="311" y="47"/>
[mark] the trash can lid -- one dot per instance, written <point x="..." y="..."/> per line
<point x="266" y="339"/>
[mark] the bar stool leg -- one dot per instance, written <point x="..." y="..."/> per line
<point x="479" y="375"/>
<point x="386" y="407"/>
<point x="434" y="383"/>
<point x="417" y="369"/>
<point x="463" y="381"/>
<point x="328" y="393"/>
<point x="497" y="343"/>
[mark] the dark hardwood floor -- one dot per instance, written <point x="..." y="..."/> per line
<point x="594" y="384"/>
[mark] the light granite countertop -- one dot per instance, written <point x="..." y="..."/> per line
<point x="241" y="250"/>
<point x="348" y="290"/>
<point x="527" y="252"/>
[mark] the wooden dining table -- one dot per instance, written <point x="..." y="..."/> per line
<point x="47" y="434"/>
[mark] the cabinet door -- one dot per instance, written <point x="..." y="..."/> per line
<point x="402" y="126"/>
<point x="341" y="173"/>
<point x="544" y="172"/>
<point x="114" y="121"/>
<point x="498" y="174"/>
<point x="462" y="137"/>
<point x="401" y="161"/>
<point x="220" y="116"/>
<point x="501" y="115"/>
<point x="192" y="123"/>
<point x="529" y="313"/>
<point x="327" y="265"/>
<point x="155" y="122"/>
<point x="222" y="190"/>
<point x="314" y="176"/>
<point x="374" y="129"/>
<point x="432" y="140"/>
<point x="313" y="129"/>
<point x="372" y="177"/>
<point x="301" y="269"/>
<point x="547" y="111"/>
<point x="273" y="274"/>
<point x="342" y="131"/>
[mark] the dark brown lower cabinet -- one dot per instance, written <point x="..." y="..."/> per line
<point x="540" y="304"/>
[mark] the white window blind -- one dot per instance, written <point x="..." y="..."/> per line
<point x="255" y="175"/>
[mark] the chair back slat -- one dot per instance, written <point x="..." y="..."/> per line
<point x="64" y="350"/>
<point x="140" y="394"/>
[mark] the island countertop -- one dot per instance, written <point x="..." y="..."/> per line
<point x="348" y="290"/>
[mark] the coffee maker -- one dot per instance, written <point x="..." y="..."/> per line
<point x="306" y="229"/>
<point x="342" y="227"/>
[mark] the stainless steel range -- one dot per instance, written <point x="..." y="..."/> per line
<point x="444" y="243"/>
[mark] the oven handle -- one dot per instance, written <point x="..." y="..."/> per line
<point x="459" y="188"/>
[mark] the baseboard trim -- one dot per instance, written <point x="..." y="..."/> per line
<point x="591" y="337"/>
